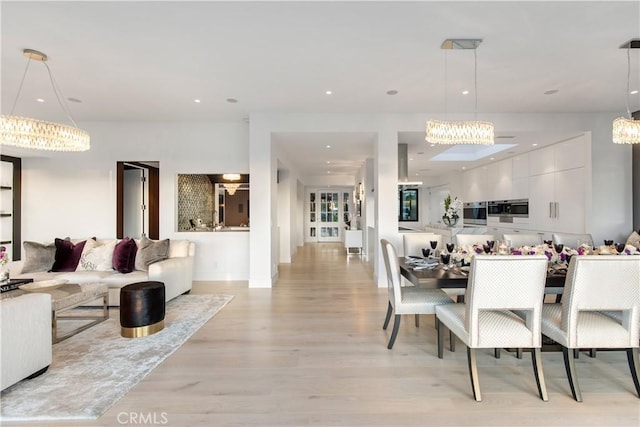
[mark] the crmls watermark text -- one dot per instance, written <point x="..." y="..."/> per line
<point x="143" y="418"/>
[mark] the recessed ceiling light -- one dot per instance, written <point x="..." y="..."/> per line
<point x="417" y="174"/>
<point x="633" y="92"/>
<point x="328" y="171"/>
<point x="232" y="100"/>
<point x="40" y="100"/>
<point x="551" y="92"/>
<point x="465" y="92"/>
<point x="464" y="167"/>
<point x="328" y="146"/>
<point x="534" y="144"/>
<point x="328" y="162"/>
<point x="197" y="101"/>
<point x="492" y="158"/>
<point x="410" y="158"/>
<point x="392" y="92"/>
<point x="329" y="92"/>
<point x="79" y="101"/>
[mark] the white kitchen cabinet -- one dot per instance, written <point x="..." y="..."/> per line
<point x="520" y="165"/>
<point x="557" y="201"/>
<point x="475" y="184"/>
<point x="565" y="155"/>
<point x="499" y="180"/>
<point x="570" y="196"/>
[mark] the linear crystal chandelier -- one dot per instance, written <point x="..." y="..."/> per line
<point x="25" y="132"/>
<point x="466" y="131"/>
<point x="627" y="130"/>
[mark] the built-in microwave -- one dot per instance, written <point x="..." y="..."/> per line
<point x="518" y="208"/>
<point x="475" y="213"/>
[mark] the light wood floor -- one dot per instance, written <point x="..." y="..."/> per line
<point x="311" y="351"/>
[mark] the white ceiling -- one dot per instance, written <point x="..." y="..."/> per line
<point x="148" y="61"/>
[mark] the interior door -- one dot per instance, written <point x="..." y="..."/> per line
<point x="330" y="217"/>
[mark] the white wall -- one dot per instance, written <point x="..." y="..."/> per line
<point x="74" y="194"/>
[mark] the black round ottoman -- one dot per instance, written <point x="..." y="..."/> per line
<point x="141" y="309"/>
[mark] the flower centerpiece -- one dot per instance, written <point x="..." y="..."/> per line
<point x="4" y="270"/>
<point x="451" y="210"/>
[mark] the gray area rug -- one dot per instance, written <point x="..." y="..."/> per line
<point x="94" y="369"/>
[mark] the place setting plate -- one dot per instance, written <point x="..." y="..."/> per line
<point x="43" y="285"/>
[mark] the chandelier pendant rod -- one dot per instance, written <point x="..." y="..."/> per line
<point x="628" y="80"/>
<point x="475" y="83"/>
<point x="58" y="92"/>
<point x="24" y="75"/>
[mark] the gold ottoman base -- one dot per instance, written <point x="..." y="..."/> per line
<point x="142" y="331"/>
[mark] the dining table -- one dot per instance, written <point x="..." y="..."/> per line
<point x="440" y="276"/>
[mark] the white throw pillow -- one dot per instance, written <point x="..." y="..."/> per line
<point x="634" y="239"/>
<point x="96" y="256"/>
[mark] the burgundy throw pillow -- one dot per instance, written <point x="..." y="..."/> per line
<point x="124" y="255"/>
<point x="67" y="255"/>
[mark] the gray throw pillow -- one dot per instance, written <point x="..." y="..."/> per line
<point x="150" y="251"/>
<point x="38" y="257"/>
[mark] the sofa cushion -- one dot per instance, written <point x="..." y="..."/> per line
<point x="67" y="255"/>
<point x="150" y="251"/>
<point x="124" y="255"/>
<point x="38" y="257"/>
<point x="96" y="256"/>
<point x="84" y="276"/>
<point x="118" y="280"/>
<point x="178" y="248"/>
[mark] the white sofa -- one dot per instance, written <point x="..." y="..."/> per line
<point x="176" y="272"/>
<point x="25" y="337"/>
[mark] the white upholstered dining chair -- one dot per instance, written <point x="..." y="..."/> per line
<point x="472" y="239"/>
<point x="412" y="243"/>
<point x="571" y="240"/>
<point x="498" y="285"/>
<point x="597" y="285"/>
<point x="517" y="240"/>
<point x="406" y="300"/>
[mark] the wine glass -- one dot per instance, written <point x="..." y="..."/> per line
<point x="558" y="247"/>
<point x="426" y="252"/>
<point x="450" y="247"/>
<point x="487" y="247"/>
<point x="434" y="244"/>
<point x="620" y="247"/>
<point x="608" y="242"/>
<point x="491" y="243"/>
<point x="445" y="258"/>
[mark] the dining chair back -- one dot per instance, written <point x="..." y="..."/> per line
<point x="497" y="286"/>
<point x="516" y="240"/>
<point x="595" y="286"/>
<point x="405" y="299"/>
<point x="472" y="239"/>
<point x="572" y="240"/>
<point x="412" y="243"/>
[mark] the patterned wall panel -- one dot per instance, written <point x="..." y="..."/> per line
<point x="195" y="200"/>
